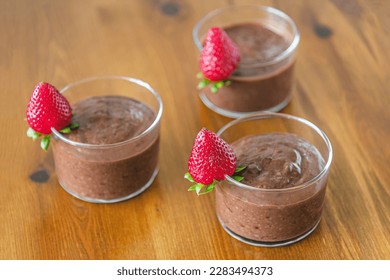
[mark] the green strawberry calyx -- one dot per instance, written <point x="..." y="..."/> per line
<point x="45" y="141"/>
<point x="203" y="189"/>
<point x="214" y="85"/>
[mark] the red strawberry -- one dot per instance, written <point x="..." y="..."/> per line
<point x="211" y="158"/>
<point x="47" y="108"/>
<point x="219" y="56"/>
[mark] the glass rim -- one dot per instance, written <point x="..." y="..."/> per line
<point x="113" y="145"/>
<point x="270" y="115"/>
<point x="268" y="9"/>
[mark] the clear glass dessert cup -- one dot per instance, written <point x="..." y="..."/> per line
<point x="256" y="86"/>
<point x="271" y="217"/>
<point x="108" y="173"/>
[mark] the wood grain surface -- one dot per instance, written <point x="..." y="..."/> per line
<point x="342" y="84"/>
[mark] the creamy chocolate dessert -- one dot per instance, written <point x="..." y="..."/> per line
<point x="114" y="168"/>
<point x="261" y="82"/>
<point x="274" y="209"/>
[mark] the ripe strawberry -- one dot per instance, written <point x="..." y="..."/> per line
<point x="48" y="108"/>
<point x="219" y="57"/>
<point x="210" y="160"/>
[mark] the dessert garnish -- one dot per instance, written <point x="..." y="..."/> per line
<point x="218" y="59"/>
<point x="210" y="160"/>
<point x="48" y="108"/>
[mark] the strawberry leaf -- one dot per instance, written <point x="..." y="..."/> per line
<point x="69" y="128"/>
<point x="214" y="88"/>
<point x="210" y="187"/>
<point x="73" y="126"/>
<point x="235" y="175"/>
<point x="238" y="178"/>
<point x="214" y="85"/>
<point x="203" y="83"/>
<point x="239" y="169"/>
<point x="33" y="134"/>
<point x="198" y="188"/>
<point x="45" y="142"/>
<point x="65" y="130"/>
<point x="192" y="188"/>
<point x="219" y="84"/>
<point x="189" y="177"/>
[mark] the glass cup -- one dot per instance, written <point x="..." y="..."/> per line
<point x="108" y="173"/>
<point x="271" y="217"/>
<point x="258" y="84"/>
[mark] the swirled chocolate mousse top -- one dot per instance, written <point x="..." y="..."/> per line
<point x="109" y="119"/>
<point x="277" y="160"/>
<point x="256" y="42"/>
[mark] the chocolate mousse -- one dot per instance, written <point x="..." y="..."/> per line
<point x="262" y="81"/>
<point x="274" y="208"/>
<point x="114" y="167"/>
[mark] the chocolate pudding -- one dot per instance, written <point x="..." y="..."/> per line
<point x="114" y="167"/>
<point x="262" y="80"/>
<point x="273" y="208"/>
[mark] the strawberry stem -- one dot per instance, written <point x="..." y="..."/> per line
<point x="198" y="187"/>
<point x="45" y="141"/>
<point x="214" y="85"/>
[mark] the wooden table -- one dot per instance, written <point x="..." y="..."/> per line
<point x="342" y="85"/>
